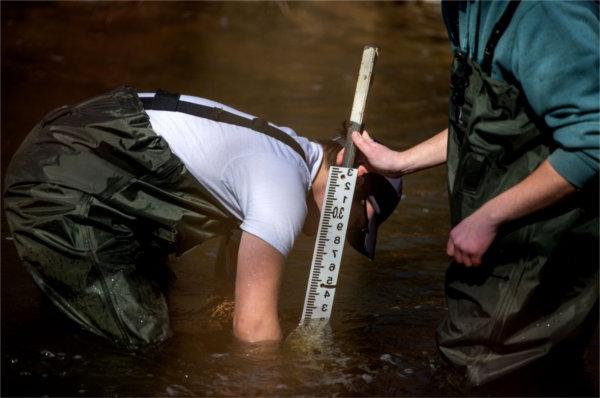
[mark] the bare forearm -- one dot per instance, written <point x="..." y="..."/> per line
<point x="429" y="153"/>
<point x="543" y="188"/>
<point x="471" y="238"/>
<point x="386" y="161"/>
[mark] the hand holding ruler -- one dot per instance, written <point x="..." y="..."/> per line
<point x="335" y="212"/>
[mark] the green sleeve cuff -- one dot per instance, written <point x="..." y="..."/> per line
<point x="576" y="167"/>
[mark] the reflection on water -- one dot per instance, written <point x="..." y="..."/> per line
<point x="296" y="64"/>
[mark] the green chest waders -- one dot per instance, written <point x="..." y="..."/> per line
<point x="536" y="292"/>
<point x="95" y="200"/>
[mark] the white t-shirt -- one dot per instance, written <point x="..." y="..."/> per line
<point x="259" y="179"/>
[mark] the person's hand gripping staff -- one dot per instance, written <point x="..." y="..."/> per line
<point x="471" y="238"/>
<point x="376" y="157"/>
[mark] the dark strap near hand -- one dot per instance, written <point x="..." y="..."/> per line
<point x="165" y="101"/>
<point x="497" y="32"/>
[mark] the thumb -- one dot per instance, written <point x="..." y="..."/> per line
<point x="340" y="157"/>
<point x="450" y="247"/>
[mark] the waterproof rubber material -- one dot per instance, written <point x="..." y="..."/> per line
<point x="95" y="201"/>
<point x="536" y="293"/>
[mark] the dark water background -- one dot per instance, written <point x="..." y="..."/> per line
<point x="294" y="64"/>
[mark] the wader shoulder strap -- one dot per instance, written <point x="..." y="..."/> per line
<point x="164" y="101"/>
<point x="497" y="32"/>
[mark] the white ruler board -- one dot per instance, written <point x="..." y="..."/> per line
<point x="335" y="212"/>
<point x="329" y="247"/>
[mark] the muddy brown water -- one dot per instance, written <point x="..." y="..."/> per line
<point x="295" y="64"/>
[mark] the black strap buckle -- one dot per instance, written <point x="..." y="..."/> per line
<point x="165" y="101"/>
<point x="259" y="124"/>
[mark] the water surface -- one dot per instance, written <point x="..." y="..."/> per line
<point x="295" y="64"/>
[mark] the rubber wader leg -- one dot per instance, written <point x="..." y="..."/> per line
<point x="89" y="264"/>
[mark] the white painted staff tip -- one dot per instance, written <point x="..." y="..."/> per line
<point x="371" y="49"/>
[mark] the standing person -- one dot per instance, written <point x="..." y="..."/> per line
<point x="522" y="156"/>
<point x="99" y="193"/>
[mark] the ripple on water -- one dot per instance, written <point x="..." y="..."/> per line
<point x="175" y="390"/>
<point x="47" y="354"/>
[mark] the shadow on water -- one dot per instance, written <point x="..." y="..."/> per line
<point x="295" y="64"/>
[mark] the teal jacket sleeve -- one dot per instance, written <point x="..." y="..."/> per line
<point x="556" y="61"/>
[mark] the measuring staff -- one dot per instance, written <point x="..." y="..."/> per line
<point x="350" y="200"/>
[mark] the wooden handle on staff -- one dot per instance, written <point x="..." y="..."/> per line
<point x="365" y="76"/>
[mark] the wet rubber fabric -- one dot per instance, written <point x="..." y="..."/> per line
<point x="95" y="201"/>
<point x="536" y="293"/>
